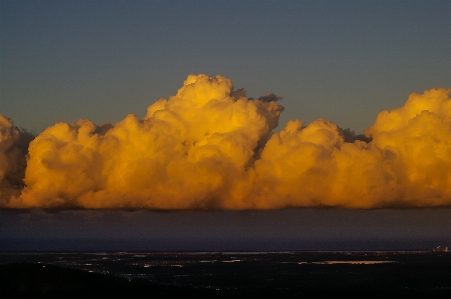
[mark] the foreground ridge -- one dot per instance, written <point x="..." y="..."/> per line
<point x="404" y="274"/>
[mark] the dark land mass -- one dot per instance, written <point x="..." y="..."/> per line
<point x="26" y="280"/>
<point x="226" y="275"/>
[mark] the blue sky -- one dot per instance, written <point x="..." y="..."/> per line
<point x="344" y="61"/>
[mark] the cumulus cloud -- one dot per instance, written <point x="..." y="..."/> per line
<point x="404" y="161"/>
<point x="190" y="151"/>
<point x="417" y="141"/>
<point x="211" y="147"/>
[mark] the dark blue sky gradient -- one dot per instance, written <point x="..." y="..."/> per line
<point x="344" y="61"/>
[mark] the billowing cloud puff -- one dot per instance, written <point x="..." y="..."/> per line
<point x="188" y="152"/>
<point x="296" y="165"/>
<point x="417" y="140"/>
<point x="407" y="163"/>
<point x="211" y="147"/>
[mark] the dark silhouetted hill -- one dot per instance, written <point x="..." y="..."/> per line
<point x="28" y="280"/>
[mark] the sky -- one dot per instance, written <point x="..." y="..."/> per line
<point x="266" y="99"/>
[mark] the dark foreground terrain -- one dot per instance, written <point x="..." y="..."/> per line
<point x="226" y="275"/>
<point x="26" y="280"/>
